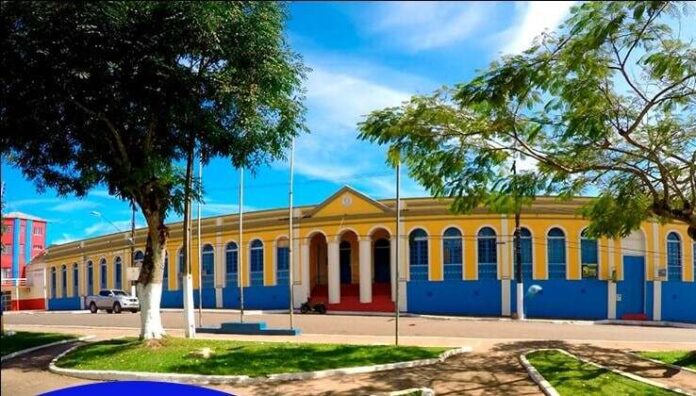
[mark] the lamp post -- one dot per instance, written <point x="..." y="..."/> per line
<point x="131" y="240"/>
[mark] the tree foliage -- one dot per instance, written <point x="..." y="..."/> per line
<point x="606" y="103"/>
<point x="114" y="93"/>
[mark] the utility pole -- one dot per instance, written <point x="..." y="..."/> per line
<point x="132" y="246"/>
<point x="396" y="245"/>
<point x="290" y="233"/>
<point x="190" y="330"/>
<point x="240" y="259"/>
<point x="518" y="245"/>
<point x="200" y="253"/>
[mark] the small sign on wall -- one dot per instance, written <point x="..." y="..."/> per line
<point x="662" y="273"/>
<point x="133" y="273"/>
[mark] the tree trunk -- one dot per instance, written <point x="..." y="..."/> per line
<point x="150" y="279"/>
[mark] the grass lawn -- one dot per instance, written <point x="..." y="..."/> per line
<point x="234" y="357"/>
<point x="572" y="377"/>
<point x="679" y="358"/>
<point x="25" y="339"/>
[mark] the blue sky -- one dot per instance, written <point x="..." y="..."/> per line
<point x="364" y="56"/>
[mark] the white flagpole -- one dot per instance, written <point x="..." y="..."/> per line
<point x="396" y="245"/>
<point x="290" y="232"/>
<point x="200" y="253"/>
<point x="240" y="255"/>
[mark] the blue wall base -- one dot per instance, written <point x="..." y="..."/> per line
<point x="563" y="299"/>
<point x="455" y="297"/>
<point x="257" y="297"/>
<point x="679" y="301"/>
<point x="64" y="304"/>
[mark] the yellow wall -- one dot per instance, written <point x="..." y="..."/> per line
<point x="334" y="218"/>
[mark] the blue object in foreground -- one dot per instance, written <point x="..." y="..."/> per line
<point x="248" y="328"/>
<point x="120" y="388"/>
<point x="533" y="290"/>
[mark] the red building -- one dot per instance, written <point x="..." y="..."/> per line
<point x="23" y="238"/>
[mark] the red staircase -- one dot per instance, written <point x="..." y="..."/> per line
<point x="350" y="298"/>
<point x="634" y="316"/>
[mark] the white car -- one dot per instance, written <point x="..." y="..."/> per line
<point x="112" y="300"/>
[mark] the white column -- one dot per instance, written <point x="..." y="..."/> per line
<point x="334" y="274"/>
<point x="611" y="301"/>
<point x="611" y="298"/>
<point x="657" y="300"/>
<point x="299" y="286"/>
<point x="365" y="270"/>
<point x="657" y="284"/>
<point x="218" y="297"/>
<point x="505" y="297"/>
<point x="305" y="271"/>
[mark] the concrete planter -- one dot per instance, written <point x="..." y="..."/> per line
<point x="36" y="348"/>
<point x="113" y="375"/>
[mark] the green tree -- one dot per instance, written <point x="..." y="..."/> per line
<point x="116" y="94"/>
<point x="607" y="102"/>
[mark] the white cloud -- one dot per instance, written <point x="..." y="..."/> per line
<point x="18" y="204"/>
<point x="101" y="194"/>
<point x="75" y="205"/>
<point x="104" y="227"/>
<point x="337" y="101"/>
<point x="342" y="99"/>
<point x="424" y="25"/>
<point x="212" y="208"/>
<point x="64" y="238"/>
<point x="534" y="17"/>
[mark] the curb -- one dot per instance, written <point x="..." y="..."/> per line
<point x="36" y="348"/>
<point x="616" y="371"/>
<point x="539" y="379"/>
<point x="114" y="375"/>
<point x="647" y="323"/>
<point x="404" y="392"/>
<point x="670" y="365"/>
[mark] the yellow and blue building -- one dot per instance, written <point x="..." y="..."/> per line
<point x="344" y="252"/>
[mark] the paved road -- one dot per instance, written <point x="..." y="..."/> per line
<point x="384" y="326"/>
<point x="492" y="369"/>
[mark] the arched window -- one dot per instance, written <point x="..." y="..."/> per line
<point x="208" y="274"/>
<point x="256" y="262"/>
<point x="283" y="262"/>
<point x="674" y="257"/>
<point x="418" y="255"/>
<point x="64" y="281"/>
<point x="487" y="254"/>
<point x="102" y="274"/>
<point x="138" y="258"/>
<point x="556" y="252"/>
<point x="165" y="272"/>
<point x="526" y="253"/>
<point x="90" y="278"/>
<point x="76" y="280"/>
<point x="589" y="256"/>
<point x="53" y="282"/>
<point x="231" y="264"/>
<point x="118" y="273"/>
<point x="452" y="254"/>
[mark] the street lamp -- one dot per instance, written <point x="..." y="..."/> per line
<point x="131" y="239"/>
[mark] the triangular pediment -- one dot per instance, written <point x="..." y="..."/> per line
<point x="348" y="201"/>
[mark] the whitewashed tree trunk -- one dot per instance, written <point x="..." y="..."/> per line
<point x="150" y="280"/>
<point x="150" y="319"/>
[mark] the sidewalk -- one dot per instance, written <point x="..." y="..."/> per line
<point x="478" y="345"/>
<point x="492" y="368"/>
<point x="681" y="379"/>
